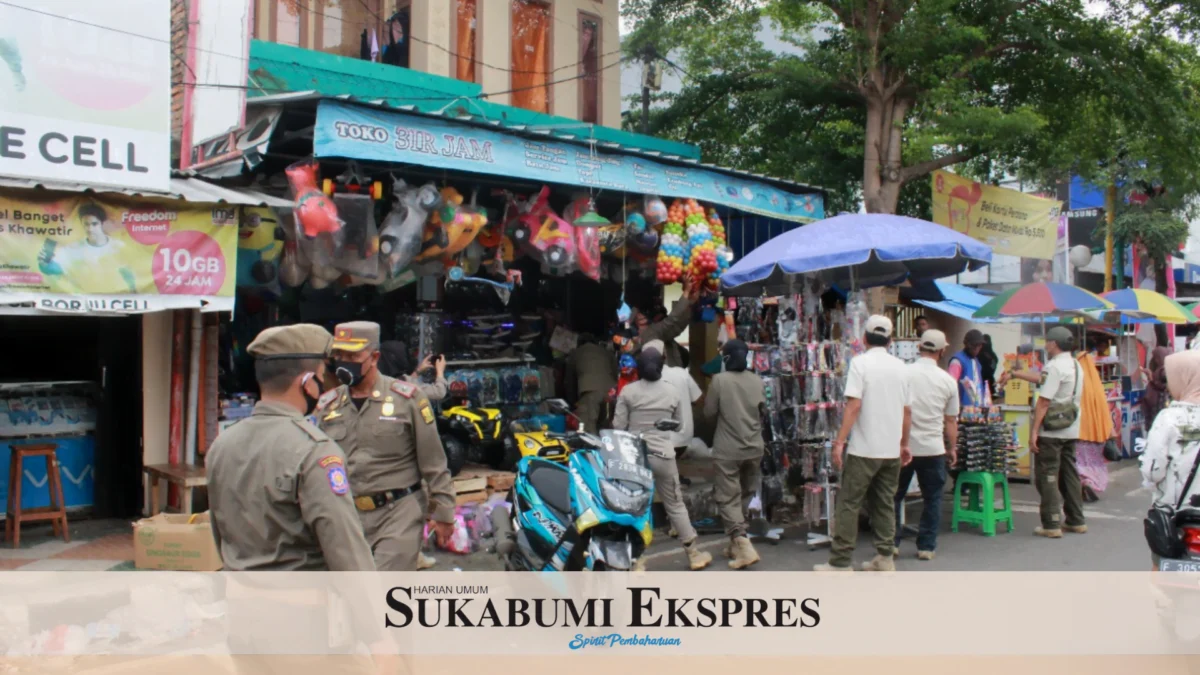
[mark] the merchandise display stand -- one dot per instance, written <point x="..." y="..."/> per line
<point x="794" y="349"/>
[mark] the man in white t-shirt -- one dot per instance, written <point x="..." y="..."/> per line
<point x="1054" y="466"/>
<point x="689" y="393"/>
<point x="933" y="439"/>
<point x="877" y="421"/>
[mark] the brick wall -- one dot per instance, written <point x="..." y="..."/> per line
<point x="179" y="34"/>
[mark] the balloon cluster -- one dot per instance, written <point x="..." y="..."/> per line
<point x="672" y="253"/>
<point x="724" y="254"/>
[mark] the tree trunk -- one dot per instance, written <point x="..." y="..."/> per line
<point x="882" y="160"/>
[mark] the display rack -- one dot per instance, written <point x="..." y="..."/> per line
<point x="63" y="412"/>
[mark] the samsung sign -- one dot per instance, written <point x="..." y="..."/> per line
<point x="85" y="92"/>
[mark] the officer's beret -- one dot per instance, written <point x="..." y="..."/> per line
<point x="299" y="341"/>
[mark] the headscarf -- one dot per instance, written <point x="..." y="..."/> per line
<point x="1183" y="376"/>
<point x="650" y="365"/>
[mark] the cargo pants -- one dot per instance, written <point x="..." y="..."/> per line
<point x="871" y="482"/>
<point x="735" y="482"/>
<point x="1058" y="484"/>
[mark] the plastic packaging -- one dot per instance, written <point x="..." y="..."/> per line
<point x="404" y="226"/>
<point x="315" y="211"/>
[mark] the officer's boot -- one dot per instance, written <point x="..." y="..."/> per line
<point x="744" y="554"/>
<point x="697" y="559"/>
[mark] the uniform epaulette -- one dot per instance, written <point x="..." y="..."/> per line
<point x="404" y="388"/>
<point x="310" y="429"/>
<point x="327" y="398"/>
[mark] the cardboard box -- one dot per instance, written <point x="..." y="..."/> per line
<point x="175" y="542"/>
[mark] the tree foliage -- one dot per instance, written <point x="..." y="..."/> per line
<point x="885" y="91"/>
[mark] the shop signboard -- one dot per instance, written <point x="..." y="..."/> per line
<point x="85" y="253"/>
<point x="85" y="92"/>
<point x="1011" y="222"/>
<point x="384" y="136"/>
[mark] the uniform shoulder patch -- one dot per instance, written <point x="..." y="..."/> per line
<point x="311" y="429"/>
<point x="330" y="460"/>
<point x="338" y="482"/>
<point x="327" y="399"/>
<point x="404" y="389"/>
<point x="426" y="411"/>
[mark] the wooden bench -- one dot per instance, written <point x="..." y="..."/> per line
<point x="56" y="513"/>
<point x="186" y="476"/>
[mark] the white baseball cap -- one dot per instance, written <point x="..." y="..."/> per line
<point x="933" y="340"/>
<point x="879" y="325"/>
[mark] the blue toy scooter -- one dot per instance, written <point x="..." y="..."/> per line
<point x="592" y="514"/>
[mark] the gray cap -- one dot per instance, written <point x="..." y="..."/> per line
<point x="1062" y="336"/>
<point x="299" y="341"/>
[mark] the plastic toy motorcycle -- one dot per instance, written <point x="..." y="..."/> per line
<point x="592" y="514"/>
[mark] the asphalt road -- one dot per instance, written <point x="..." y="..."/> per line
<point x="1114" y="541"/>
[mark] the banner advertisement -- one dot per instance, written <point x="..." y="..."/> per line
<point x="89" y="254"/>
<point x="1011" y="222"/>
<point x="367" y="134"/>
<point x="85" y="92"/>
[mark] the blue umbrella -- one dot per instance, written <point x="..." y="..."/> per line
<point x="855" y="250"/>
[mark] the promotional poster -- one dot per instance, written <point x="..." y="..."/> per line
<point x="86" y="253"/>
<point x="1011" y="222"/>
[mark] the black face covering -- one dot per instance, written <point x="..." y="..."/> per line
<point x="734" y="355"/>
<point x="348" y="373"/>
<point x="310" y="402"/>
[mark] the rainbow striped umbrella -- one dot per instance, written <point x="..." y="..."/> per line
<point x="1042" y="298"/>
<point x="1149" y="305"/>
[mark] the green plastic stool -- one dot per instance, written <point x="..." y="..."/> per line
<point x="980" y="488"/>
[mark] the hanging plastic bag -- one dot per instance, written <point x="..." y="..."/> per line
<point x="294" y="264"/>
<point x="358" y="252"/>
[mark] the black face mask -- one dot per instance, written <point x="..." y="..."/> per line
<point x="310" y="402"/>
<point x="348" y="373"/>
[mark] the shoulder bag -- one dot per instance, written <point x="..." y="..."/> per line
<point x="1161" y="533"/>
<point x="1062" y="414"/>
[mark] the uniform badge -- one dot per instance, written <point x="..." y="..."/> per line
<point x="337" y="479"/>
<point x="331" y="416"/>
<point x="388" y="409"/>
<point x="426" y="412"/>
<point x="330" y="460"/>
<point x="327" y="398"/>
<point x="404" y="389"/>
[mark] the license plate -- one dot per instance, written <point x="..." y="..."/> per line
<point x="1179" y="566"/>
<point x="616" y="466"/>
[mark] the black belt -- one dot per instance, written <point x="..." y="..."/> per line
<point x="382" y="499"/>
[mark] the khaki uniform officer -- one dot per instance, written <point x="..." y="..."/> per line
<point x="388" y="429"/>
<point x="278" y="494"/>
<point x="591" y="373"/>
<point x="735" y="399"/>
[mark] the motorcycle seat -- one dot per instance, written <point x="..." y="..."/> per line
<point x="552" y="482"/>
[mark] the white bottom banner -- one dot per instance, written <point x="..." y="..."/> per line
<point x="764" y="614"/>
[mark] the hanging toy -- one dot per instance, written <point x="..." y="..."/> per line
<point x="294" y="264"/>
<point x="314" y="209"/>
<point x="654" y="210"/>
<point x="403" y="227"/>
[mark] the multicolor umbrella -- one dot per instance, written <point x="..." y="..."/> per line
<point x="1194" y="309"/>
<point x="1042" y="298"/>
<point x="1150" y="305"/>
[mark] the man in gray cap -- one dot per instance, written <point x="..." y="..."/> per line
<point x="389" y="432"/>
<point x="934" y="438"/>
<point x="278" y="494"/>
<point x="1053" y="434"/>
<point x="876" y="422"/>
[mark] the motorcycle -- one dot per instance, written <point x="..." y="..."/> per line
<point x="592" y="514"/>
<point x="1178" y="601"/>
